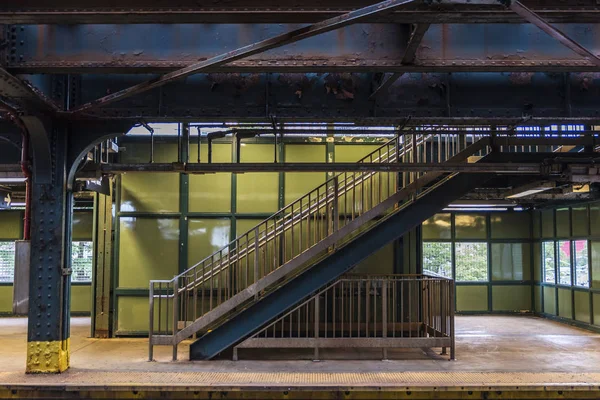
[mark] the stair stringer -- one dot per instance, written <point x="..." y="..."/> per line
<point x="247" y="321"/>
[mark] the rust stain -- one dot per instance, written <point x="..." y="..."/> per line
<point x="520" y="78"/>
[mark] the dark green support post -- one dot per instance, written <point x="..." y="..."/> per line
<point x="50" y="273"/>
<point x="102" y="265"/>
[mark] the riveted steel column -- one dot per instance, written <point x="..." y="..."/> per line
<point x="102" y="265"/>
<point x="49" y="283"/>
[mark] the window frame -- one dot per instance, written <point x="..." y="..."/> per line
<point x="544" y="269"/>
<point x="451" y="253"/>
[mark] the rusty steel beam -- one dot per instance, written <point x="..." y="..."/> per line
<point x="255" y="48"/>
<point x="557" y="34"/>
<point x="23" y="96"/>
<point x="194" y="168"/>
<point x="190" y="11"/>
<point x="409" y="57"/>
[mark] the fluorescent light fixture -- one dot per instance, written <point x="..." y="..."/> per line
<point x="529" y="189"/>
<point x="12" y="180"/>
<point x="476" y="209"/>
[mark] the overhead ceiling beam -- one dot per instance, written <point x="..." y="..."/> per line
<point x="409" y="58"/>
<point x="308" y="11"/>
<point x="557" y="34"/>
<point x="23" y="96"/>
<point x="255" y="48"/>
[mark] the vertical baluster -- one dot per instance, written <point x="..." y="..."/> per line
<point x="256" y="257"/>
<point x="151" y="320"/>
<point x="384" y="312"/>
<point x="175" y="314"/>
<point x="316" y="327"/>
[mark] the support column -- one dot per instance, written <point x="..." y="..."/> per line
<point x="102" y="264"/>
<point x="49" y="283"/>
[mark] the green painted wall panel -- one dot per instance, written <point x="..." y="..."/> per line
<point x="210" y="192"/>
<point x="150" y="192"/>
<point x="133" y="315"/>
<point x="10" y="225"/>
<point x="510" y="225"/>
<point x="565" y="305"/>
<point x="148" y="249"/>
<point x="438" y="227"/>
<point x="470" y="226"/>
<point x="548" y="223"/>
<point x="297" y="184"/>
<point x="83" y="225"/>
<point x="595" y="264"/>
<point x="353" y="152"/>
<point x="81" y="298"/>
<point x="140" y="152"/>
<point x="563" y="222"/>
<point x="257" y="192"/>
<point x="580" y="221"/>
<point x="6" y="299"/>
<point x="582" y="306"/>
<point x="511" y="261"/>
<point x="537" y="262"/>
<point x="537" y="224"/>
<point x="595" y="219"/>
<point x="382" y="262"/>
<point x="511" y="298"/>
<point x="550" y="300"/>
<point x="206" y="236"/>
<point x="537" y="297"/>
<point x="471" y="298"/>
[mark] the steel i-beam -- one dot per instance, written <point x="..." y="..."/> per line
<point x="252" y="49"/>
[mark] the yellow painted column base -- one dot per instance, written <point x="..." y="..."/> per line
<point x="48" y="357"/>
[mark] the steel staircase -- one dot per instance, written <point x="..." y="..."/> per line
<point x="304" y="246"/>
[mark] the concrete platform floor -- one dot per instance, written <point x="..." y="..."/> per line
<point x="493" y="352"/>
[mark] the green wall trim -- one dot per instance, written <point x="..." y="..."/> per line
<point x="572" y="322"/>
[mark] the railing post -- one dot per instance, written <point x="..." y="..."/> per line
<point x="336" y="212"/>
<point x="175" y="315"/>
<point x="452" y="338"/>
<point x="316" y="355"/>
<point x="384" y="312"/>
<point x="256" y="256"/>
<point x="151" y="327"/>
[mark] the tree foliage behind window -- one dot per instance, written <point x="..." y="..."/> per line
<point x="437" y="258"/>
<point x="471" y="262"/>
<point x="7" y="261"/>
<point x="82" y="259"/>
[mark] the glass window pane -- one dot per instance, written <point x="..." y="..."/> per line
<point x="437" y="227"/>
<point x="471" y="262"/>
<point x="549" y="262"/>
<point x="563" y="222"/>
<point x="510" y="261"/>
<point x="595" y="247"/>
<point x="595" y="219"/>
<point x="548" y="223"/>
<point x="582" y="268"/>
<point x="7" y="261"/>
<point x="470" y="226"/>
<point x="564" y="262"/>
<point x="82" y="257"/>
<point x="580" y="221"/>
<point x="510" y="225"/>
<point x="437" y="258"/>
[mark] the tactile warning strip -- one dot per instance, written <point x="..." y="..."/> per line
<point x="78" y="378"/>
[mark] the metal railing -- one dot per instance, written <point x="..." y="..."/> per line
<point x="280" y="246"/>
<point x="386" y="312"/>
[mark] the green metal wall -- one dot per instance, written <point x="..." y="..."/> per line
<point x="508" y="287"/>
<point x="11" y="228"/>
<point x="168" y="222"/>
<point x="568" y="303"/>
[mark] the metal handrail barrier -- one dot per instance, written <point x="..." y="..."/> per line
<point x="371" y="311"/>
<point x="294" y="230"/>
